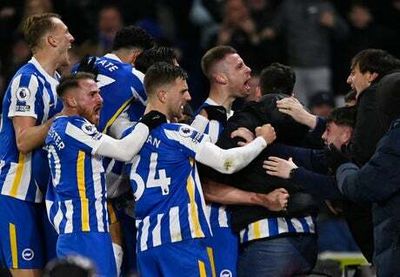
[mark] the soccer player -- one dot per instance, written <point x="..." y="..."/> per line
<point x="170" y="209"/>
<point x="121" y="87"/>
<point x="78" y="195"/>
<point x="229" y="79"/>
<point x="29" y="104"/>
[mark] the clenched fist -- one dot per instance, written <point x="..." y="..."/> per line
<point x="267" y="132"/>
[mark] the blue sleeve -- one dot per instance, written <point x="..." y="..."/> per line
<point x="308" y="158"/>
<point x="379" y="178"/>
<point x="322" y="186"/>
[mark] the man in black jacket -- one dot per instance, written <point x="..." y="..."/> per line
<point x="367" y="68"/>
<point x="291" y="232"/>
<point x="378" y="181"/>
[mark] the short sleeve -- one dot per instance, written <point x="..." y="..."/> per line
<point x="83" y="135"/>
<point x="24" y="97"/>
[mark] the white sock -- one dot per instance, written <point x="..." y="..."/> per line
<point x="118" y="254"/>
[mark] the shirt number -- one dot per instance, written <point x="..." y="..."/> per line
<point x="152" y="182"/>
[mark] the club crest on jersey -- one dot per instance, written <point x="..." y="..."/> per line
<point x="28" y="254"/>
<point x="88" y="128"/>
<point x="225" y="273"/>
<point x="23" y="94"/>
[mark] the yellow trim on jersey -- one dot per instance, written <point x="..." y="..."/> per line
<point x="257" y="230"/>
<point x="202" y="269"/>
<point x="190" y="187"/>
<point x="80" y="173"/>
<point x="13" y="245"/>
<point x="111" y="212"/>
<point x="117" y="113"/>
<point x="18" y="175"/>
<point x="210" y="254"/>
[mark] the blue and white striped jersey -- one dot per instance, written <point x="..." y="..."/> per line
<point x="122" y="90"/>
<point x="31" y="93"/>
<point x="77" y="200"/>
<point x="219" y="217"/>
<point x="170" y="205"/>
<point x="119" y="84"/>
<point x="275" y="226"/>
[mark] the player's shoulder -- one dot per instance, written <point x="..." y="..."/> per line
<point x="181" y="132"/>
<point x="75" y="122"/>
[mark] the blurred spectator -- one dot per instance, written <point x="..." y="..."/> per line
<point x="10" y="17"/>
<point x="109" y="23"/>
<point x="308" y="27"/>
<point x="364" y="33"/>
<point x="20" y="55"/>
<point x="244" y="28"/>
<point x="88" y="14"/>
<point x="37" y="7"/>
<point x="322" y="104"/>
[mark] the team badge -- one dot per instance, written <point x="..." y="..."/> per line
<point x="225" y="273"/>
<point x="28" y="254"/>
<point x="23" y="94"/>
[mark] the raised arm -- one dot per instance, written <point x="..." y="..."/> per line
<point x="234" y="159"/>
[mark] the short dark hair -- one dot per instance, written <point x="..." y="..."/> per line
<point x="36" y="26"/>
<point x="214" y="55"/>
<point x="70" y="81"/>
<point x="160" y="74"/>
<point x="345" y="116"/>
<point x="375" y="61"/>
<point x="277" y="78"/>
<point x="154" y="55"/>
<point x="132" y="37"/>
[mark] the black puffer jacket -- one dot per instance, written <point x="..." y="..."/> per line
<point x="253" y="177"/>
<point x="378" y="181"/>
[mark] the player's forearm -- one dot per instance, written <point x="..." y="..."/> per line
<point x="126" y="148"/>
<point x="228" y="195"/>
<point x="231" y="160"/>
<point x="30" y="138"/>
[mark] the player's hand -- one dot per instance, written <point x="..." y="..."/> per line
<point x="153" y="119"/>
<point x="292" y="107"/>
<point x="275" y="166"/>
<point x="267" y="132"/>
<point x="87" y="64"/>
<point x="276" y="200"/>
<point x="244" y="134"/>
<point x="217" y="113"/>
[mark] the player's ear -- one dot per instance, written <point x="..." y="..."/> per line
<point x="70" y="101"/>
<point x="220" y="78"/>
<point x="51" y="41"/>
<point x="162" y="95"/>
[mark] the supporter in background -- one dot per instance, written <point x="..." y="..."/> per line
<point x="308" y="28"/>
<point x="322" y="104"/>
